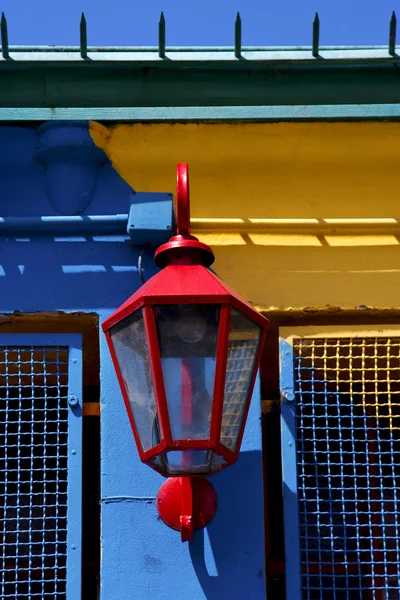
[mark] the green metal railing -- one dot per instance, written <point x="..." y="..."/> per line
<point x="161" y="50"/>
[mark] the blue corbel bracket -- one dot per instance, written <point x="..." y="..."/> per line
<point x="150" y="218"/>
<point x="71" y="162"/>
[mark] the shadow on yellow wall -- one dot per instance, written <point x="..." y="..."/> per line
<point x="298" y="214"/>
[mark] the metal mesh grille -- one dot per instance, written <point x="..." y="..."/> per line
<point x="348" y="462"/>
<point x="239" y="369"/>
<point x="33" y="472"/>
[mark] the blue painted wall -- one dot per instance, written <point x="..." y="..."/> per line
<point x="56" y="169"/>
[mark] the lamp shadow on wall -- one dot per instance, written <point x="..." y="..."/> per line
<point x="228" y="556"/>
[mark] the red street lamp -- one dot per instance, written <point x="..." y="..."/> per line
<point x="186" y="350"/>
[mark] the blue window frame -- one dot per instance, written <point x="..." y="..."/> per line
<point x="340" y="452"/>
<point x="40" y="466"/>
<point x="289" y="471"/>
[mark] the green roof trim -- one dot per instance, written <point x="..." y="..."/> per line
<point x="198" y="84"/>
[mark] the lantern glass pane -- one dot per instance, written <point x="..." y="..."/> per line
<point x="218" y="461"/>
<point x="184" y="462"/>
<point x="129" y="341"/>
<point x="159" y="463"/>
<point x="188" y="337"/>
<point x="243" y="344"/>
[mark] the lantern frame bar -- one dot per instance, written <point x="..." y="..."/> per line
<point x="227" y="454"/>
<point x="220" y="374"/>
<point x="145" y="455"/>
<point x="198" y="444"/>
<point x="158" y="378"/>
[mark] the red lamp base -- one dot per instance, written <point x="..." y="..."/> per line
<point x="186" y="504"/>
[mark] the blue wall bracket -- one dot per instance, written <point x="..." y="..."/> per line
<point x="151" y="218"/>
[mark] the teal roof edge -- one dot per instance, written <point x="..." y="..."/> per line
<point x="199" y="84"/>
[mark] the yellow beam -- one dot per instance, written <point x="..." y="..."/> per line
<point x="298" y="214"/>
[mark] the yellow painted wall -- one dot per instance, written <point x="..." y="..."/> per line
<point x="245" y="176"/>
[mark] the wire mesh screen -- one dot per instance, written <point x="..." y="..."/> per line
<point x="33" y="467"/>
<point x="348" y="464"/>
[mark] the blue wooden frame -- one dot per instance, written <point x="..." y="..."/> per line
<point x="289" y="471"/>
<point x="74" y="468"/>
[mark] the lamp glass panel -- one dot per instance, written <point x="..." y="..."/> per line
<point x="188" y="335"/>
<point x="129" y="341"/>
<point x="159" y="463"/>
<point x="187" y="462"/>
<point x="218" y="462"/>
<point x="243" y="344"/>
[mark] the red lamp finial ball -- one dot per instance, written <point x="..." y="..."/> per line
<point x="186" y="350"/>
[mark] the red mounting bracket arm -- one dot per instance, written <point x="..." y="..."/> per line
<point x="183" y="245"/>
<point x="182" y="199"/>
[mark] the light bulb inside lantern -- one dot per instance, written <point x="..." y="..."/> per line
<point x="191" y="326"/>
